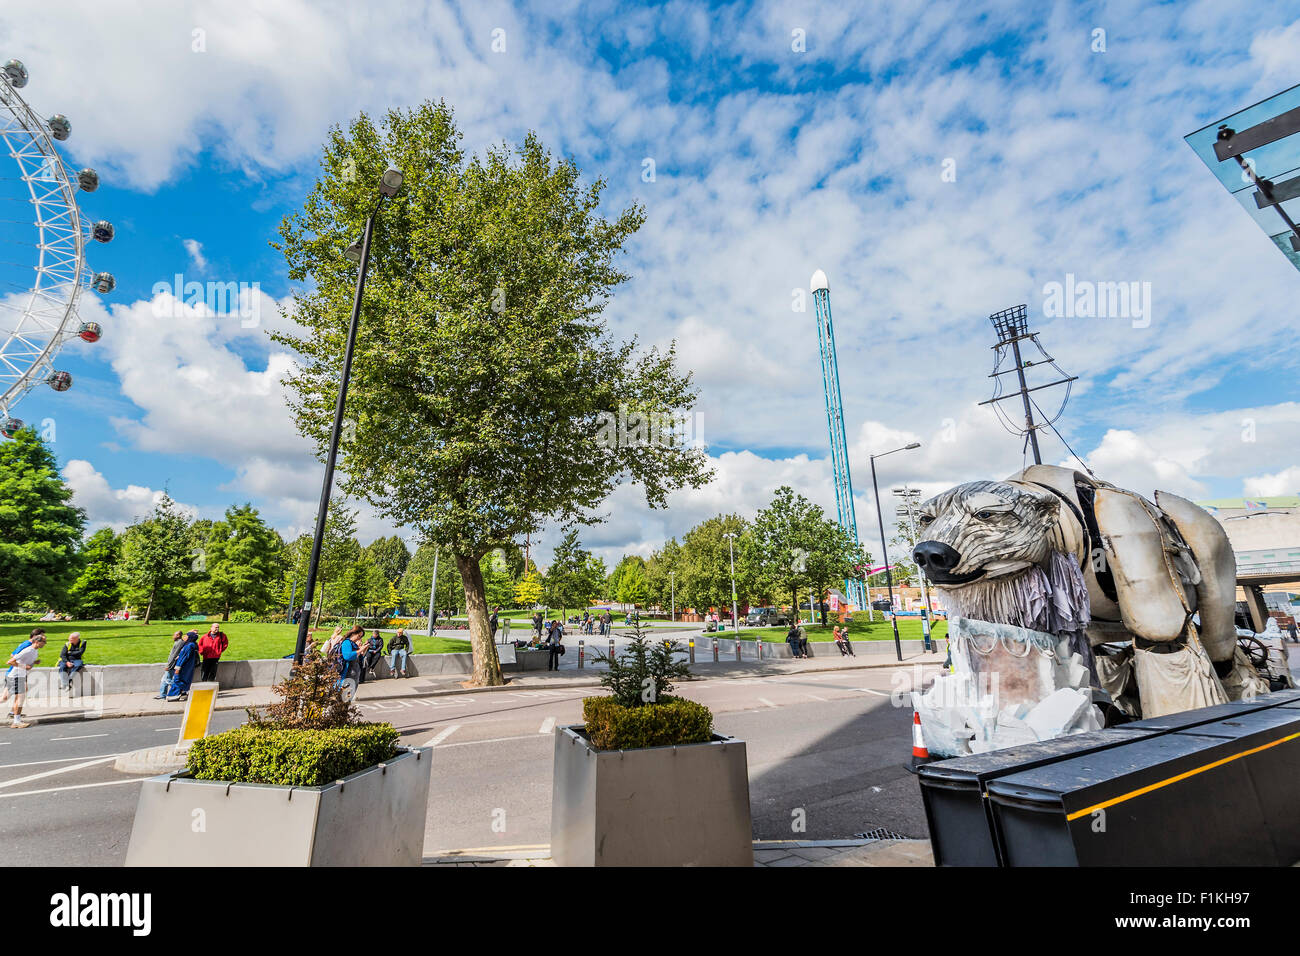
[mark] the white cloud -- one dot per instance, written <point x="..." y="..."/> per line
<point x="105" y="505"/>
<point x="194" y="249"/>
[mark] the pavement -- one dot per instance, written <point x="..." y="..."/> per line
<point x="775" y="853"/>
<point x="144" y="704"/>
<point x="827" y="751"/>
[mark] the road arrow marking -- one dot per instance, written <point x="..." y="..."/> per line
<point x="441" y="736"/>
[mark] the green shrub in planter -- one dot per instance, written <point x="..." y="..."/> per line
<point x="671" y="721"/>
<point x="298" y="758"/>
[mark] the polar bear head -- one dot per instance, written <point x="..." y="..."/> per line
<point x="984" y="529"/>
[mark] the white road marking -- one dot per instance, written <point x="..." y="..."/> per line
<point x="869" y="690"/>
<point x="166" y="730"/>
<point x="75" y="786"/>
<point x="490" y="740"/>
<point x="441" y="736"/>
<point x="81" y="737"/>
<point x="547" y="725"/>
<point x="815" y="697"/>
<point x="764" y="700"/>
<point x="37" y="763"/>
<point x="50" y="773"/>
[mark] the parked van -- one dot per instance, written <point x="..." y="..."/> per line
<point x="767" y="617"/>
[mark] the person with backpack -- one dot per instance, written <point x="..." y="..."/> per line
<point x="212" y="645"/>
<point x="183" y="669"/>
<point x="346" y="654"/>
<point x="492" y="623"/>
<point x="399" y="651"/>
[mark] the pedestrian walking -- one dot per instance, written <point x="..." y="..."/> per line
<point x="554" y="643"/>
<point x="71" y="659"/>
<point x="803" y="640"/>
<point x="183" y="668"/>
<point x="538" y="623"/>
<point x="35" y="633"/>
<point x="20" y="662"/>
<point x="211" y="647"/>
<point x="178" y="638"/>
<point x="399" y="649"/>
<point x="1291" y="631"/>
<point x="492" y="623"/>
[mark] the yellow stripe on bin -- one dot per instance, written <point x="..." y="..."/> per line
<point x="198" y="710"/>
<point x="1175" y="779"/>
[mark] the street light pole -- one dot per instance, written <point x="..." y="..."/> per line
<point x="731" y="537"/>
<point x="392" y="180"/>
<point x="909" y="496"/>
<point x="884" y="548"/>
<point x="672" y="591"/>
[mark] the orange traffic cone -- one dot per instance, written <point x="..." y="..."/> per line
<point x="920" y="753"/>
<point x="918" y="739"/>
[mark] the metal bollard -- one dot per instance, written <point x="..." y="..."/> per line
<point x="715" y="650"/>
<point x="611" y="648"/>
<point x="737" y="648"/>
<point x="581" y="651"/>
<point x="758" y="646"/>
<point x="692" y="650"/>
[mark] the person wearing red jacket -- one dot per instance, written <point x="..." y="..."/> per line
<point x="211" y="646"/>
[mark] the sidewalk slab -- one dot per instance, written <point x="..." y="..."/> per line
<point x="767" y="853"/>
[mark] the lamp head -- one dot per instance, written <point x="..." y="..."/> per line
<point x="391" y="181"/>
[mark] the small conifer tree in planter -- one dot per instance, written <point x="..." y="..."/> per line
<point x="645" y="781"/>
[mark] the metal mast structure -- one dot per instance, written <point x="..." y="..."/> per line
<point x="1012" y="326"/>
<point x="853" y="589"/>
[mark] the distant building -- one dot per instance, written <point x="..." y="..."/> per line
<point x="1265" y="537"/>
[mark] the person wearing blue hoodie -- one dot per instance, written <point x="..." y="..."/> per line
<point x="183" y="669"/>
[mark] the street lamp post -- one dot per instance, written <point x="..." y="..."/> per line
<point x="884" y="548"/>
<point x="672" y="591"/>
<point x="390" y="182"/>
<point x="909" y="496"/>
<point x="731" y="537"/>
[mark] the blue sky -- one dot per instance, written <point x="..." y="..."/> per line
<point x="785" y="137"/>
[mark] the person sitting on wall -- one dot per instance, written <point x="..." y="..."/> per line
<point x="70" y="659"/>
<point x="399" y="651"/>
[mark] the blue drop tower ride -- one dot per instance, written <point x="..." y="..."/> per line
<point x="854" y="590"/>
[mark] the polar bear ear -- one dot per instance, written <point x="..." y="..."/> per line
<point x="1048" y="507"/>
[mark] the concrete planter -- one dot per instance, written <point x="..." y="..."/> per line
<point x="373" y="818"/>
<point x="661" y="806"/>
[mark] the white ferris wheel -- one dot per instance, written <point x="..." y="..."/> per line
<point x="42" y="250"/>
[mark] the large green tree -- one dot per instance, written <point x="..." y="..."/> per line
<point x="241" y="560"/>
<point x="484" y="376"/>
<point x="419" y="575"/>
<point x="96" y="590"/>
<point x="39" y="526"/>
<point x="575" y="576"/>
<point x="705" y="577"/>
<point x="157" y="558"/>
<point x="390" y="556"/>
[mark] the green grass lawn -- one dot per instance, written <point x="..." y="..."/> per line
<point x="909" y="628"/>
<point x="130" y="642"/>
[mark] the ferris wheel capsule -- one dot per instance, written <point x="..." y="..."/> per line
<point x="11" y="426"/>
<point x="103" y="282"/>
<point x="90" y="332"/>
<point x="59" y="381"/>
<point x="16" y="74"/>
<point x="102" y="231"/>
<point x="59" y="126"/>
<point x="88" y="180"/>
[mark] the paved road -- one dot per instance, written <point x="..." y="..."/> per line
<point x="829" y="745"/>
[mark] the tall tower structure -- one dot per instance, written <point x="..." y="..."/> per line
<point x="853" y="589"/>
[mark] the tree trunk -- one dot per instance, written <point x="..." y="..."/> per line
<point x="148" y="609"/>
<point x="821" y="599"/>
<point x="225" y="615"/>
<point x="794" y="592"/>
<point x="320" y="608"/>
<point x="487" y="668"/>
